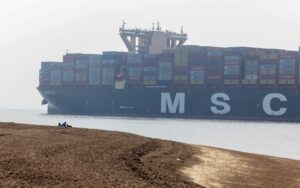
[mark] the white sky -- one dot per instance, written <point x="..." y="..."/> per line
<point x="36" y="30"/>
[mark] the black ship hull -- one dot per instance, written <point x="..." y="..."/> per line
<point x="232" y="103"/>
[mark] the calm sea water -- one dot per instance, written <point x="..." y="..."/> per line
<point x="276" y="139"/>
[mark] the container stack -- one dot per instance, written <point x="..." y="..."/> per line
<point x="50" y="74"/>
<point x="165" y="69"/>
<point x="68" y="73"/>
<point x="197" y="62"/>
<point x="69" y="68"/>
<point x="55" y="75"/>
<point x="94" y="70"/>
<point x="111" y="66"/>
<point x="287" y="68"/>
<point x="81" y="71"/>
<point x="215" y="67"/>
<point x="187" y="66"/>
<point x="232" y="68"/>
<point x="150" y="66"/>
<point x="181" y="67"/>
<point x="268" y="67"/>
<point x="250" y="71"/>
<point x="134" y="68"/>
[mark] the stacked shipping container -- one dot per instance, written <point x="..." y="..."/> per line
<point x="94" y="70"/>
<point x="197" y="62"/>
<point x="250" y="69"/>
<point x="232" y="68"/>
<point x="185" y="66"/>
<point x="73" y="73"/>
<point x="165" y="69"/>
<point x="134" y="70"/>
<point x="215" y="67"/>
<point x="268" y="67"/>
<point x="50" y="74"/>
<point x="112" y="63"/>
<point x="81" y="71"/>
<point x="150" y="69"/>
<point x="181" y="66"/>
<point x="288" y="68"/>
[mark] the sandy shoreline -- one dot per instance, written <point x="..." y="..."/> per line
<point x="51" y="156"/>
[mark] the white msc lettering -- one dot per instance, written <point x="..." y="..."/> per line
<point x="225" y="107"/>
<point x="166" y="103"/>
<point x="267" y="104"/>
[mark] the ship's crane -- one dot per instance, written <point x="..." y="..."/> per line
<point x="151" y="41"/>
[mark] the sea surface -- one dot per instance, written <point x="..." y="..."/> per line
<point x="268" y="138"/>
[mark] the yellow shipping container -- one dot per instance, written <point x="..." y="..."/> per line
<point x="149" y="82"/>
<point x="231" y="82"/>
<point x="249" y="82"/>
<point x="197" y="82"/>
<point x="181" y="77"/>
<point x="267" y="82"/>
<point x="287" y="82"/>
<point x="235" y="82"/>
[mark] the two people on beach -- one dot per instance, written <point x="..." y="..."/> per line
<point x="64" y="124"/>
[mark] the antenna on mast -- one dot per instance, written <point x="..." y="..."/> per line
<point x="153" y="26"/>
<point x="158" y="26"/>
<point x="123" y="24"/>
<point x="182" y="30"/>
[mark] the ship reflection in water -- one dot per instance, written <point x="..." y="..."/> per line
<point x="269" y="138"/>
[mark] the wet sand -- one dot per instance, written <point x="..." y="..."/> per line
<point x="50" y="156"/>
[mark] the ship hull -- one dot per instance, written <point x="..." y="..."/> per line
<point x="207" y="103"/>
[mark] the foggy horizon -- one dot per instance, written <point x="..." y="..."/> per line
<point x="35" y="31"/>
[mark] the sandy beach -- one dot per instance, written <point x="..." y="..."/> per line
<point x="40" y="156"/>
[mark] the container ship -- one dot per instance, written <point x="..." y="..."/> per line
<point x="160" y="76"/>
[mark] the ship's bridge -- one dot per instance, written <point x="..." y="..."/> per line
<point x="151" y="41"/>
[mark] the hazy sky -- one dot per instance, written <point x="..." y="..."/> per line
<point x="36" y="30"/>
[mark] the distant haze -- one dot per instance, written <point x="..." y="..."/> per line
<point x="36" y="30"/>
